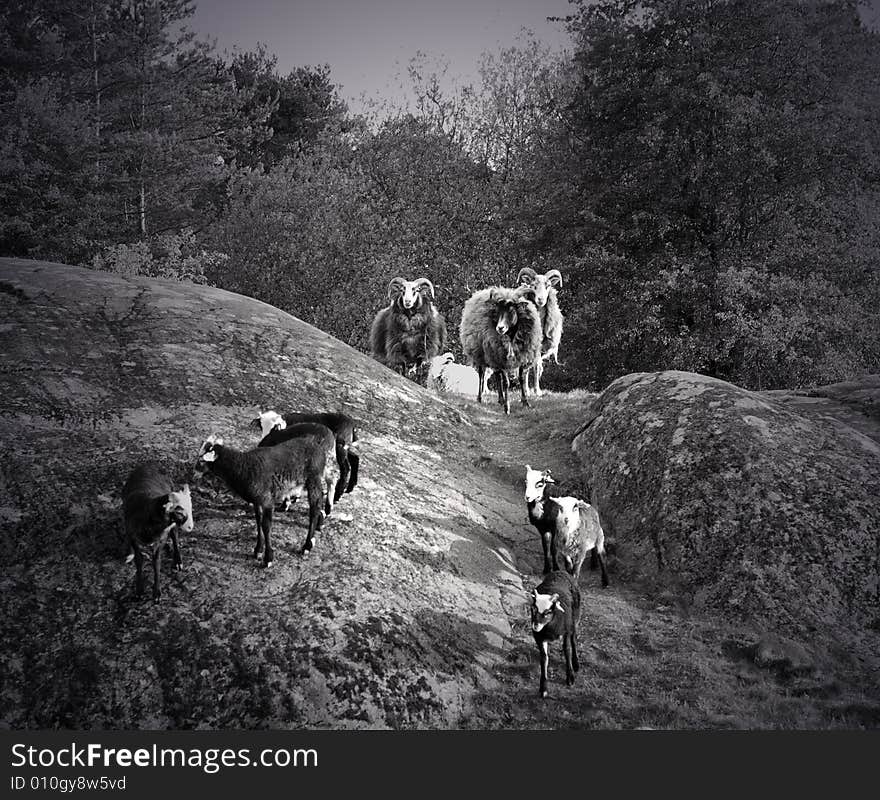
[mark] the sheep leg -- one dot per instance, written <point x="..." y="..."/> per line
<point x="601" y="559"/>
<point x="523" y="377"/>
<point x="594" y="559"/>
<point x="355" y="462"/>
<point x="328" y="498"/>
<point x="575" y="661"/>
<point x="544" y="655"/>
<point x="267" y="527"/>
<point x="258" y="513"/>
<point x="157" y="567"/>
<point x="139" y="574"/>
<point x="503" y="395"/>
<point x="178" y="563"/>
<point x="569" y="665"/>
<point x="316" y="517"/>
<point x="545" y="543"/>
<point x="553" y="551"/>
<point x="344" y="470"/>
<point x="539" y="371"/>
<point x="481" y="372"/>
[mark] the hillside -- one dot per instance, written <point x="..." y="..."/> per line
<point x="390" y="622"/>
<point x="411" y="615"/>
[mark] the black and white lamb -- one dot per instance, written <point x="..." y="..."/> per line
<point x="554" y="607"/>
<point x="569" y="527"/>
<point x="272" y="425"/>
<point x="410" y="331"/>
<point x="545" y="287"/>
<point x="153" y="511"/>
<point x="266" y="476"/>
<point x="500" y="329"/>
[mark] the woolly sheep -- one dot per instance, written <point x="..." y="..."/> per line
<point x="545" y="287"/>
<point x="410" y="331"/>
<point x="500" y="329"/>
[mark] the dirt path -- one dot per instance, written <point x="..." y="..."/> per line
<point x="646" y="662"/>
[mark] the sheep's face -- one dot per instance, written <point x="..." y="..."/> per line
<point x="207" y="452"/>
<point x="270" y="421"/>
<point x="411" y="297"/>
<point x="508" y="317"/>
<point x="540" y="284"/>
<point x="536" y="480"/>
<point x="438" y="364"/>
<point x="179" y="509"/>
<point x="543" y="607"/>
<point x="410" y="294"/>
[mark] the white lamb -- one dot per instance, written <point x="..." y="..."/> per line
<point x="447" y="376"/>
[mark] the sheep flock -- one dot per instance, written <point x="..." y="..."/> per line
<point x="505" y="332"/>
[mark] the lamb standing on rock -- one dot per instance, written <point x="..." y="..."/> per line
<point x="153" y="511"/>
<point x="266" y="476"/>
<point x="410" y="331"/>
<point x="500" y="329"/>
<point x="555" y="606"/>
<point x="545" y="287"/>
<point x="567" y="525"/>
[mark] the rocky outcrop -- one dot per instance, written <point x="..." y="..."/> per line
<point x="396" y="618"/>
<point x="750" y="507"/>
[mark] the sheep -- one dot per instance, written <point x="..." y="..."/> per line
<point x="500" y="328"/>
<point x="447" y="376"/>
<point x="545" y="287"/>
<point x="555" y="605"/>
<point x="410" y="331"/>
<point x="342" y="425"/>
<point x="153" y="511"/>
<point x="566" y="524"/>
<point x="265" y="476"/>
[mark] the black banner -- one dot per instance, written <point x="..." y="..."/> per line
<point x="140" y="764"/>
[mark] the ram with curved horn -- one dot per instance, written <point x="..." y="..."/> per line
<point x="410" y="331"/>
<point x="545" y="287"/>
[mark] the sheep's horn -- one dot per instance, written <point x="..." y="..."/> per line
<point x="526" y="272"/>
<point x="425" y="282"/>
<point x="554" y="277"/>
<point x="396" y="285"/>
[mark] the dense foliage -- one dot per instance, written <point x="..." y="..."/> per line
<point x="705" y="174"/>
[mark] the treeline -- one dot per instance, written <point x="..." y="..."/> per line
<point x="705" y="174"/>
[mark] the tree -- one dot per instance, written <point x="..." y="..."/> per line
<point x="704" y="139"/>
<point x="117" y="124"/>
<point x="302" y="106"/>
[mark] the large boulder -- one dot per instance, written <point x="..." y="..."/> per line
<point x="746" y="506"/>
<point x="395" y="620"/>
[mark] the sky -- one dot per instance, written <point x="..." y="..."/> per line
<point x="367" y="43"/>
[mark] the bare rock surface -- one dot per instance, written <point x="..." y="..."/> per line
<point x="753" y="507"/>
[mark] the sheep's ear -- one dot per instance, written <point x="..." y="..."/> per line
<point x="169" y="506"/>
<point x="185" y="488"/>
<point x="528" y="468"/>
<point x="557" y="604"/>
<point x="211" y="455"/>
